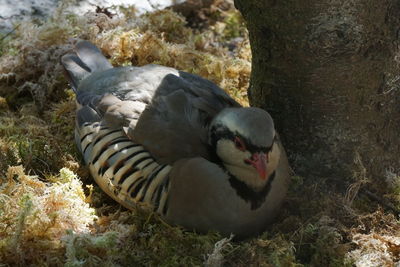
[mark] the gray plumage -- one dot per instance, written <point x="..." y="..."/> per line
<point x="177" y="142"/>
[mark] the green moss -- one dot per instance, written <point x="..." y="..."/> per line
<point x="235" y="26"/>
<point x="168" y="25"/>
<point x="31" y="142"/>
<point x="36" y="214"/>
<point x="89" y="250"/>
<point x="25" y="210"/>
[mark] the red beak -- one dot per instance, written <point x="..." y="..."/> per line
<point x="259" y="161"/>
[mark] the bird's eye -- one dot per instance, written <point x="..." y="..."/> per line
<point x="239" y="144"/>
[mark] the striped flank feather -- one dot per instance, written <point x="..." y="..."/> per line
<point x="123" y="169"/>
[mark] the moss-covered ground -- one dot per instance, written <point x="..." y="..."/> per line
<point x="52" y="213"/>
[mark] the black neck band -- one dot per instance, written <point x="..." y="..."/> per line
<point x="256" y="198"/>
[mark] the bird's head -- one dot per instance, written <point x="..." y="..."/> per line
<point x="245" y="141"/>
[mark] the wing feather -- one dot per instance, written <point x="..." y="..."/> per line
<point x="165" y="110"/>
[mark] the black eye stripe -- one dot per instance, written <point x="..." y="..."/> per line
<point x="239" y="143"/>
<point x="221" y="132"/>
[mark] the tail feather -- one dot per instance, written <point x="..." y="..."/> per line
<point x="92" y="56"/>
<point x="75" y="69"/>
<point x="86" y="59"/>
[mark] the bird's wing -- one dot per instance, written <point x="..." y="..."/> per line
<point x="165" y="110"/>
<point x="175" y="124"/>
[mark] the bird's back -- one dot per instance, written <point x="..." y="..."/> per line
<point x="165" y="110"/>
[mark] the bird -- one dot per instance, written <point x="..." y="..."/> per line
<point x="173" y="141"/>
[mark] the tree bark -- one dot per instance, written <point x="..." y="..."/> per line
<point x="328" y="71"/>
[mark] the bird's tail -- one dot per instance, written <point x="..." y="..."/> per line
<point x="84" y="60"/>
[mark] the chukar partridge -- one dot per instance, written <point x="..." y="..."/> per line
<point x="177" y="142"/>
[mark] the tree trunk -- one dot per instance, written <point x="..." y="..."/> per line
<point x="328" y="71"/>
